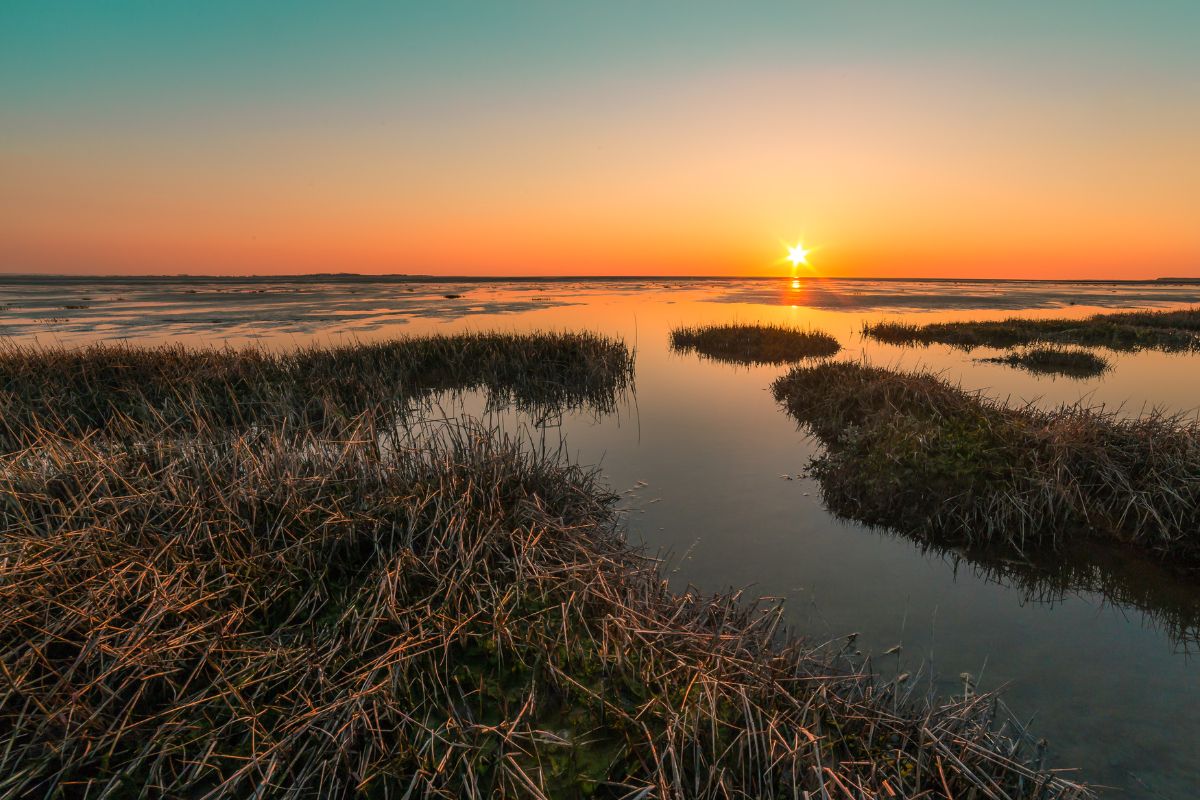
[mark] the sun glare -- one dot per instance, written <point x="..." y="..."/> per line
<point x="797" y="255"/>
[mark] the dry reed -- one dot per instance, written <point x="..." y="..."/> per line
<point x="260" y="615"/>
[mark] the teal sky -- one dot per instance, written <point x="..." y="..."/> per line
<point x="55" y="51"/>
<point x="161" y="92"/>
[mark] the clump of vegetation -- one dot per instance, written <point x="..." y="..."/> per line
<point x="1186" y="319"/>
<point x="261" y="616"/>
<point x="911" y="452"/>
<point x="1056" y="361"/>
<point x="754" y="344"/>
<point x="1170" y="331"/>
<point x="72" y="392"/>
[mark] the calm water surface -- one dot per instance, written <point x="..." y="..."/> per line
<point x="1099" y="648"/>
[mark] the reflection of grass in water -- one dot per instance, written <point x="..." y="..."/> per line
<point x="1167" y="602"/>
<point x="911" y="452"/>
<point x="1172" y="331"/>
<point x="1056" y="361"/>
<point x="74" y="391"/>
<point x="461" y="618"/>
<point x="754" y="344"/>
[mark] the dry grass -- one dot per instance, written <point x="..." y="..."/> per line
<point x="78" y="391"/>
<point x="1077" y="364"/>
<point x="261" y="616"/>
<point x="911" y="452"/>
<point x="1170" y="331"/>
<point x="754" y="344"/>
<point x="217" y="597"/>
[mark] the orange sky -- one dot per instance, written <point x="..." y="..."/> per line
<point x="1076" y="162"/>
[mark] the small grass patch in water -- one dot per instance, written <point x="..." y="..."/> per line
<point x="754" y="344"/>
<point x="911" y="452"/>
<point x="76" y="391"/>
<point x="1170" y="331"/>
<point x="1077" y="364"/>
<point x="257" y="616"/>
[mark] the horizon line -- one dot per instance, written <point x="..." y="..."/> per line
<point x="402" y="277"/>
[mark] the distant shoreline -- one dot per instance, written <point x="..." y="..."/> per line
<point x="348" y="277"/>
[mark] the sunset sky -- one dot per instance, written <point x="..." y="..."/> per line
<point x="1020" y="139"/>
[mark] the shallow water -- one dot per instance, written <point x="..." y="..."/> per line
<point x="1100" y="646"/>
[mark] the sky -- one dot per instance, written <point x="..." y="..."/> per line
<point x="919" y="139"/>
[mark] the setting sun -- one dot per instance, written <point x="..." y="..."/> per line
<point x="798" y="255"/>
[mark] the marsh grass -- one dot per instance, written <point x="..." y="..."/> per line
<point x="1077" y="364"/>
<point x="754" y="344"/>
<point x="260" y="616"/>
<point x="911" y="452"/>
<point x="1186" y="319"/>
<point x="76" y="391"/>
<point x="1170" y="331"/>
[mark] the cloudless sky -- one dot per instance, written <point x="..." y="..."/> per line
<point x="1016" y="139"/>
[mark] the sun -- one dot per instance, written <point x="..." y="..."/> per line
<point x="797" y="255"/>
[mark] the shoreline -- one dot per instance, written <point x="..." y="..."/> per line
<point x="28" y="278"/>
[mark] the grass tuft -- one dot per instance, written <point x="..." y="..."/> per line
<point x="1170" y="331"/>
<point x="754" y="344"/>
<point x="911" y="452"/>
<point x="1077" y="364"/>
<point x="77" y="391"/>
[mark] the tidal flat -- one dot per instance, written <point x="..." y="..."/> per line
<point x="710" y="473"/>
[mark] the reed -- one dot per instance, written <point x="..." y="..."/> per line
<point x="257" y="615"/>
<point x="911" y="452"/>
<point x="1077" y="364"/>
<point x="1170" y="331"/>
<point x="172" y="387"/>
<point x="754" y="344"/>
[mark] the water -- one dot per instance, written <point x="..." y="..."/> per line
<point x="1098" y="645"/>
